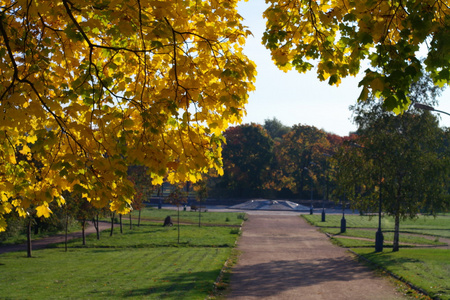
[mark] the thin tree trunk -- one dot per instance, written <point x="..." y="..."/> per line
<point x="199" y="214"/>
<point x="112" y="224"/>
<point x="83" y="231"/>
<point x="396" y="245"/>
<point x="178" y="223"/>
<point x="29" y="238"/>
<point x="120" y="218"/>
<point x="95" y="221"/>
<point x="67" y="229"/>
<point x="139" y="218"/>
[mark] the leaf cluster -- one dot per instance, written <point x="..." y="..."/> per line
<point x="88" y="88"/>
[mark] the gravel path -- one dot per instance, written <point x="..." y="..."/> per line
<point x="44" y="242"/>
<point x="283" y="257"/>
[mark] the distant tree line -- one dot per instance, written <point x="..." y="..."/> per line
<point x="274" y="160"/>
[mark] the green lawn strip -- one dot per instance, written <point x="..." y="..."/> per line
<point x="444" y="233"/>
<point x="144" y="262"/>
<point x="150" y="234"/>
<point x="428" y="269"/>
<point x="440" y="223"/>
<point x="353" y="243"/>
<point x="388" y="236"/>
<point x="207" y="218"/>
<point x="152" y="273"/>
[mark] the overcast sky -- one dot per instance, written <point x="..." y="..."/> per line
<point x="295" y="98"/>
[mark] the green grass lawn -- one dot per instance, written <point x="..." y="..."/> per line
<point x="146" y="262"/>
<point x="388" y="236"/>
<point x="224" y="218"/>
<point x="440" y="224"/>
<point x="426" y="268"/>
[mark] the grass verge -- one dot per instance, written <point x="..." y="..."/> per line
<point x="206" y="218"/>
<point x="146" y="262"/>
<point x="428" y="269"/>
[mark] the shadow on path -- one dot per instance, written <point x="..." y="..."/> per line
<point x="286" y="258"/>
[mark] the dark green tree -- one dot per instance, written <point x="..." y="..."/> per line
<point x="247" y="157"/>
<point x="398" y="160"/>
<point x="275" y="128"/>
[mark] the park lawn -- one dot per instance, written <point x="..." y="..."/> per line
<point x="207" y="218"/>
<point x="428" y="269"/>
<point x="151" y="234"/>
<point x="388" y="236"/>
<point x="145" y="262"/>
<point x="422" y="222"/>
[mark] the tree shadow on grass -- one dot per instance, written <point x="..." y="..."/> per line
<point x="186" y="285"/>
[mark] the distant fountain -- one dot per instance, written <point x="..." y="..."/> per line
<point x="264" y="204"/>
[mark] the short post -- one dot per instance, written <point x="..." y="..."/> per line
<point x="311" y="209"/>
<point x="323" y="212"/>
<point x="343" y="221"/>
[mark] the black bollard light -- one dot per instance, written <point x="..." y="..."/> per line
<point x="343" y="221"/>
<point x="323" y="213"/>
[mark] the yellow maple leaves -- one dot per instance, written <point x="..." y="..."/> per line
<point x="88" y="90"/>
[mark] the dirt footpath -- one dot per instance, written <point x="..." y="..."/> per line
<point x="60" y="238"/>
<point x="283" y="257"/>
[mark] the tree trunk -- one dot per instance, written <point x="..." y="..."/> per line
<point x="139" y="218"/>
<point x="178" y="221"/>
<point x="120" y="221"/>
<point x="396" y="246"/>
<point x="112" y="224"/>
<point x="95" y="221"/>
<point x="66" y="231"/>
<point x="29" y="238"/>
<point x="83" y="231"/>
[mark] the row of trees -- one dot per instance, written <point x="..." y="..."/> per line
<point x="398" y="163"/>
<point x="276" y="161"/>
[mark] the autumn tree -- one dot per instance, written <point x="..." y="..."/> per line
<point x="247" y="157"/>
<point x="143" y="188"/>
<point x="301" y="159"/>
<point x="177" y="197"/>
<point x="201" y="189"/>
<point x="88" y="88"/>
<point x="336" y="36"/>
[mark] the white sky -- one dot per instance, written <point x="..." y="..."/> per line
<point x="295" y="98"/>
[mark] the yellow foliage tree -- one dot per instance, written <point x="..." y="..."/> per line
<point x="88" y="88"/>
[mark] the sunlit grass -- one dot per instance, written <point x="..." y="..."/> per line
<point x="224" y="218"/>
<point x="428" y="269"/>
<point x="143" y="262"/>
